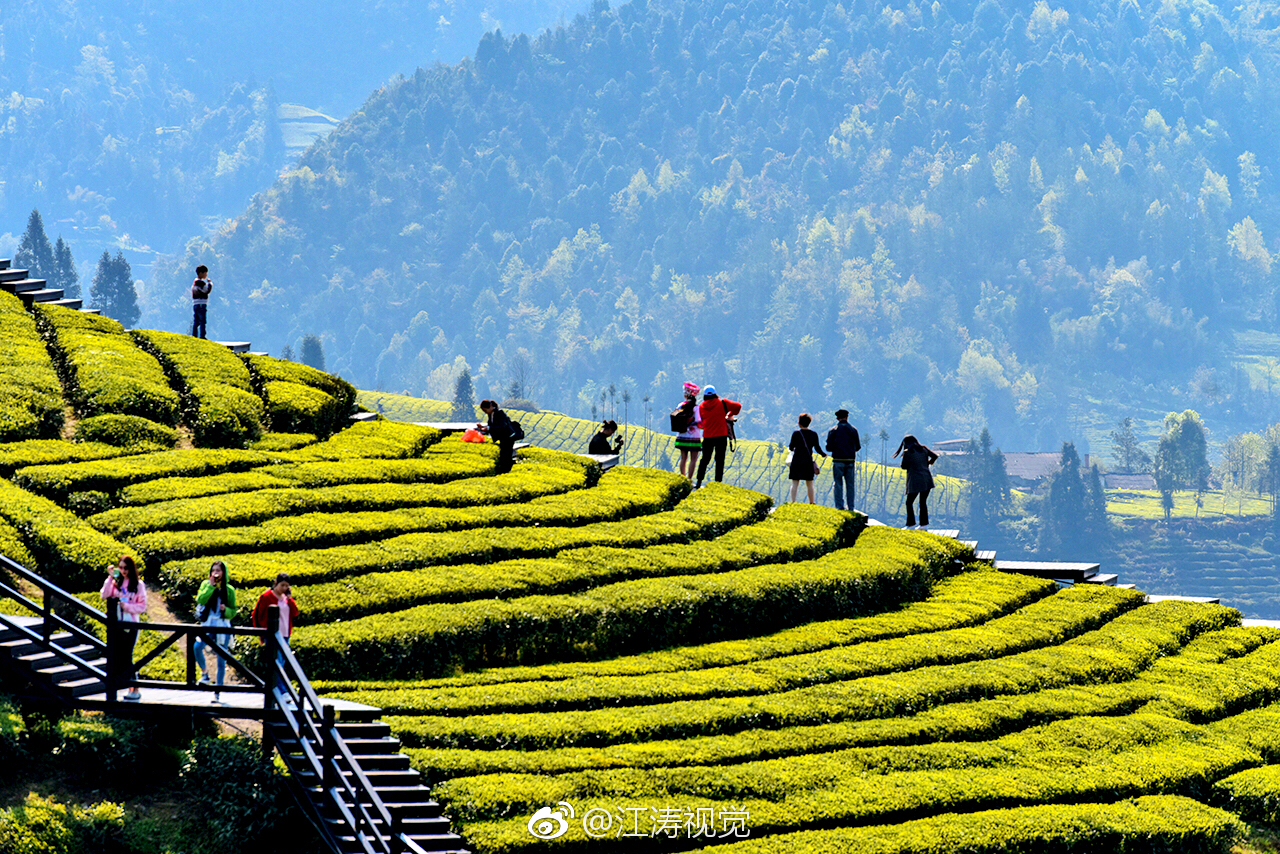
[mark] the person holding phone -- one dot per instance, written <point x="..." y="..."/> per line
<point x="215" y="605"/>
<point x="124" y="586"/>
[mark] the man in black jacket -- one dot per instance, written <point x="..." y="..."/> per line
<point x="843" y="445"/>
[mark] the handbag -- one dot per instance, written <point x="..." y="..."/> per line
<point x="817" y="470"/>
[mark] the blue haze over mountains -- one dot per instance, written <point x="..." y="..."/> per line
<point x="1041" y="218"/>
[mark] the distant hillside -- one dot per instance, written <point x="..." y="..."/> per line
<point x="939" y="216"/>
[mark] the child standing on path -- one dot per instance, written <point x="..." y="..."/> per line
<point x="200" y="290"/>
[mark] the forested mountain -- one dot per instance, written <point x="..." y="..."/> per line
<point x="152" y="119"/>
<point x="939" y="215"/>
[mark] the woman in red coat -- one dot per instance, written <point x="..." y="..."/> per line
<point x="715" y="413"/>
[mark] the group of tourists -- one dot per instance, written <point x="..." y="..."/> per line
<point x="706" y="429"/>
<point x="215" y="607"/>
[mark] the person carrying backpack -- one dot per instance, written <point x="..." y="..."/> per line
<point x="502" y="430"/>
<point x="716" y="414"/>
<point x="686" y="421"/>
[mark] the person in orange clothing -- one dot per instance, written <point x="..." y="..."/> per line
<point x="716" y="413"/>
<point x="277" y="594"/>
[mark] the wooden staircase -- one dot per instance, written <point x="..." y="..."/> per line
<point x="30" y="290"/>
<point x="348" y="774"/>
<point x="414" y="816"/>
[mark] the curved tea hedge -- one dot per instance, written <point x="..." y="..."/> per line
<point x="694" y="670"/>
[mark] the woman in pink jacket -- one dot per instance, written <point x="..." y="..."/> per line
<point x="124" y="585"/>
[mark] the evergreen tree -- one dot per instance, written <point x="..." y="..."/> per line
<point x="1096" y="525"/>
<point x="1062" y="510"/>
<point x="1182" y="457"/>
<point x="988" y="485"/>
<point x="65" y="275"/>
<point x="113" y="292"/>
<point x="464" y="398"/>
<point x="311" y="352"/>
<point x="1126" y="449"/>
<point x="34" y="251"/>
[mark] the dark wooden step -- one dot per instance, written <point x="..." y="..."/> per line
<point x="68" y="303"/>
<point x="371" y="746"/>
<point x="370" y="730"/>
<point x="21" y="286"/>
<point x="1050" y="569"/>
<point x="40" y="295"/>
<point x="12" y="274"/>
<point x="59" y="673"/>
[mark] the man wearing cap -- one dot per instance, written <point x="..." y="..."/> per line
<point x="715" y="413"/>
<point x="843" y="445"/>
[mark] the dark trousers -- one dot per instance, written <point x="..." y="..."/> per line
<point x="198" y="323"/>
<point x="924" y="508"/>
<point x="718" y="445"/>
<point x="842" y="473"/>
<point x="506" y="456"/>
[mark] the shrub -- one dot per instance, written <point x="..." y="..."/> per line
<point x="30" y="394"/>
<point x="218" y="401"/>
<point x="43" y="826"/>
<point x="66" y="549"/>
<point x="242" y="797"/>
<point x="282" y="441"/>
<point x="117" y="746"/>
<point x="125" y="431"/>
<point x="35" y="452"/>
<point x="300" y="399"/>
<point x="102" y="369"/>
<point x="59" y="481"/>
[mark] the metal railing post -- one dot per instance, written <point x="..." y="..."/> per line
<point x="272" y="649"/>
<point x="328" y="735"/>
<point x="114" y="648"/>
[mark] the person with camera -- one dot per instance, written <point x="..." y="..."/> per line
<point x="687" y="423"/>
<point x="717" y="416"/>
<point x="124" y="586"/>
<point x="600" y="441"/>
<point x="500" y="430"/>
<point x="217" y="604"/>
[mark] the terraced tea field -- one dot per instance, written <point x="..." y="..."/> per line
<point x="587" y="661"/>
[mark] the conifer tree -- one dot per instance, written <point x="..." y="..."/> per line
<point x="65" y="275"/>
<point x="1062" y="510"/>
<point x="113" y="291"/>
<point x="311" y="352"/>
<point x="464" y="397"/>
<point x="988" y="485"/>
<point x="34" y="252"/>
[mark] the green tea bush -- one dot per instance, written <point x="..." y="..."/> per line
<point x="1154" y="824"/>
<point x="218" y="401"/>
<point x="300" y="399"/>
<point x="1042" y="623"/>
<point x="372" y="440"/>
<point x="1118" y="651"/>
<point x="246" y="508"/>
<point x="1253" y="794"/>
<point x="627" y="493"/>
<point x="44" y="826"/>
<point x="60" y="480"/>
<point x="126" y="431"/>
<point x="102" y="369"/>
<point x="631" y="616"/>
<point x="35" y="452"/>
<point x="30" y="394"/>
<point x="66" y="549"/>
<point x="283" y="441"/>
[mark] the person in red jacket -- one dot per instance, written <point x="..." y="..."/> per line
<point x="715" y="413"/>
<point x="277" y="594"/>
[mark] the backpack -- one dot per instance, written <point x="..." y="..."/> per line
<point x="517" y="432"/>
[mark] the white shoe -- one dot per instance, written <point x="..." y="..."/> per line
<point x="204" y="679"/>
<point x="133" y="694"/>
<point x="217" y="698"/>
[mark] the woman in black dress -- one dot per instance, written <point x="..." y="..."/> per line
<point x="916" y="459"/>
<point x="803" y="443"/>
